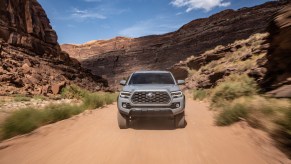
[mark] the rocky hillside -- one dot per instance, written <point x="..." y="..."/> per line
<point x="265" y="57"/>
<point x="241" y="57"/>
<point x="31" y="59"/>
<point x="116" y="58"/>
<point x="278" y="66"/>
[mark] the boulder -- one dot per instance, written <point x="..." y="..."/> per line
<point x="281" y="92"/>
<point x="180" y="73"/>
<point x="56" y="88"/>
<point x="26" y="68"/>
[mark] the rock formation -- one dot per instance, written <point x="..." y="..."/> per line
<point x="31" y="59"/>
<point x="278" y="66"/>
<point x="241" y="57"/>
<point x="115" y="59"/>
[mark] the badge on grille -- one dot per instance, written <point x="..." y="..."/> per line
<point x="150" y="95"/>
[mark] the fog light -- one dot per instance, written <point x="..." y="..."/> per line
<point x="177" y="105"/>
<point x="124" y="105"/>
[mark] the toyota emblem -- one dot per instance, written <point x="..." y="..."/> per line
<point x="150" y="95"/>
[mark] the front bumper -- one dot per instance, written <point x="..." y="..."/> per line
<point x="151" y="110"/>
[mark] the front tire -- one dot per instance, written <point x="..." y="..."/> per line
<point x="122" y="121"/>
<point x="180" y="120"/>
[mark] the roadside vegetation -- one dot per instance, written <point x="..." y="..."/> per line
<point x="19" y="98"/>
<point x="236" y="98"/>
<point x="200" y="94"/>
<point x="26" y="120"/>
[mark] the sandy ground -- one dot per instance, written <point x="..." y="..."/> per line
<point x="94" y="137"/>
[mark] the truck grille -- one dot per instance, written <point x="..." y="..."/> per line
<point x="148" y="97"/>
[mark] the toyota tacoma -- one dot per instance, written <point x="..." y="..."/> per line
<point x="151" y="94"/>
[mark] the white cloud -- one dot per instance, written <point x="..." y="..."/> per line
<point x="86" y="14"/>
<point x="206" y="5"/>
<point x="149" y="27"/>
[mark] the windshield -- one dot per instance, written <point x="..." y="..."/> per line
<point x="151" y="78"/>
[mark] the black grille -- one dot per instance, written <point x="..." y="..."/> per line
<point x="157" y="97"/>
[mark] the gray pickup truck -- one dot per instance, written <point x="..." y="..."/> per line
<point x="151" y="94"/>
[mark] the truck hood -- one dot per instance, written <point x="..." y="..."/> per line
<point x="169" y="87"/>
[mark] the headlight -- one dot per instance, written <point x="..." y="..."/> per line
<point x="177" y="94"/>
<point x="125" y="95"/>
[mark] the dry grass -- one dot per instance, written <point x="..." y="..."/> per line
<point x="200" y="94"/>
<point x="231" y="88"/>
<point x="19" y="98"/>
<point x="26" y="120"/>
<point x="258" y="111"/>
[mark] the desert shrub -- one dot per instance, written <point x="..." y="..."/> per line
<point x="233" y="87"/>
<point x="93" y="100"/>
<point x="258" y="111"/>
<point x="21" y="122"/>
<point x="54" y="113"/>
<point x="200" y="94"/>
<point x="90" y="100"/>
<point x="110" y="98"/>
<point x="73" y="91"/>
<point x="283" y="131"/>
<point x="19" y="98"/>
<point x="28" y="119"/>
<point x="231" y="114"/>
<point x="39" y="97"/>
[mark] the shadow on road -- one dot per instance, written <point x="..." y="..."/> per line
<point x="153" y="124"/>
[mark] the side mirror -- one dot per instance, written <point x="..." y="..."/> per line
<point x="180" y="82"/>
<point x="122" y="82"/>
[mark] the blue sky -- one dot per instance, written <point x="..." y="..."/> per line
<point x="79" y="21"/>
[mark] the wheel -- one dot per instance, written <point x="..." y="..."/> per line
<point x="122" y="121"/>
<point x="180" y="120"/>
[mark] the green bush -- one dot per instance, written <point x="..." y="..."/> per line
<point x="19" y="98"/>
<point x="200" y="94"/>
<point x="39" y="97"/>
<point x="93" y="100"/>
<point x="110" y="98"/>
<point x="54" y="113"/>
<point x="233" y="87"/>
<point x="26" y="120"/>
<point x="232" y="114"/>
<point x="74" y="91"/>
<point x="21" y="122"/>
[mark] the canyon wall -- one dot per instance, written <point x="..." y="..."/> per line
<point x="278" y="65"/>
<point x="115" y="59"/>
<point x="32" y="61"/>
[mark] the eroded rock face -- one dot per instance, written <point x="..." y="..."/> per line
<point x="241" y="57"/>
<point x="31" y="59"/>
<point x="279" y="54"/>
<point x="25" y="24"/>
<point x="115" y="59"/>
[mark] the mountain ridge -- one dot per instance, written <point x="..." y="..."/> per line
<point x="117" y="58"/>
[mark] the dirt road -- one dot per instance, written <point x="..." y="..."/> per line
<point x="94" y="137"/>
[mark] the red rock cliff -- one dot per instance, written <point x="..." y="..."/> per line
<point x="116" y="58"/>
<point x="278" y="64"/>
<point x="31" y="59"/>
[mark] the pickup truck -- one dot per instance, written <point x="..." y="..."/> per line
<point x="151" y="94"/>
